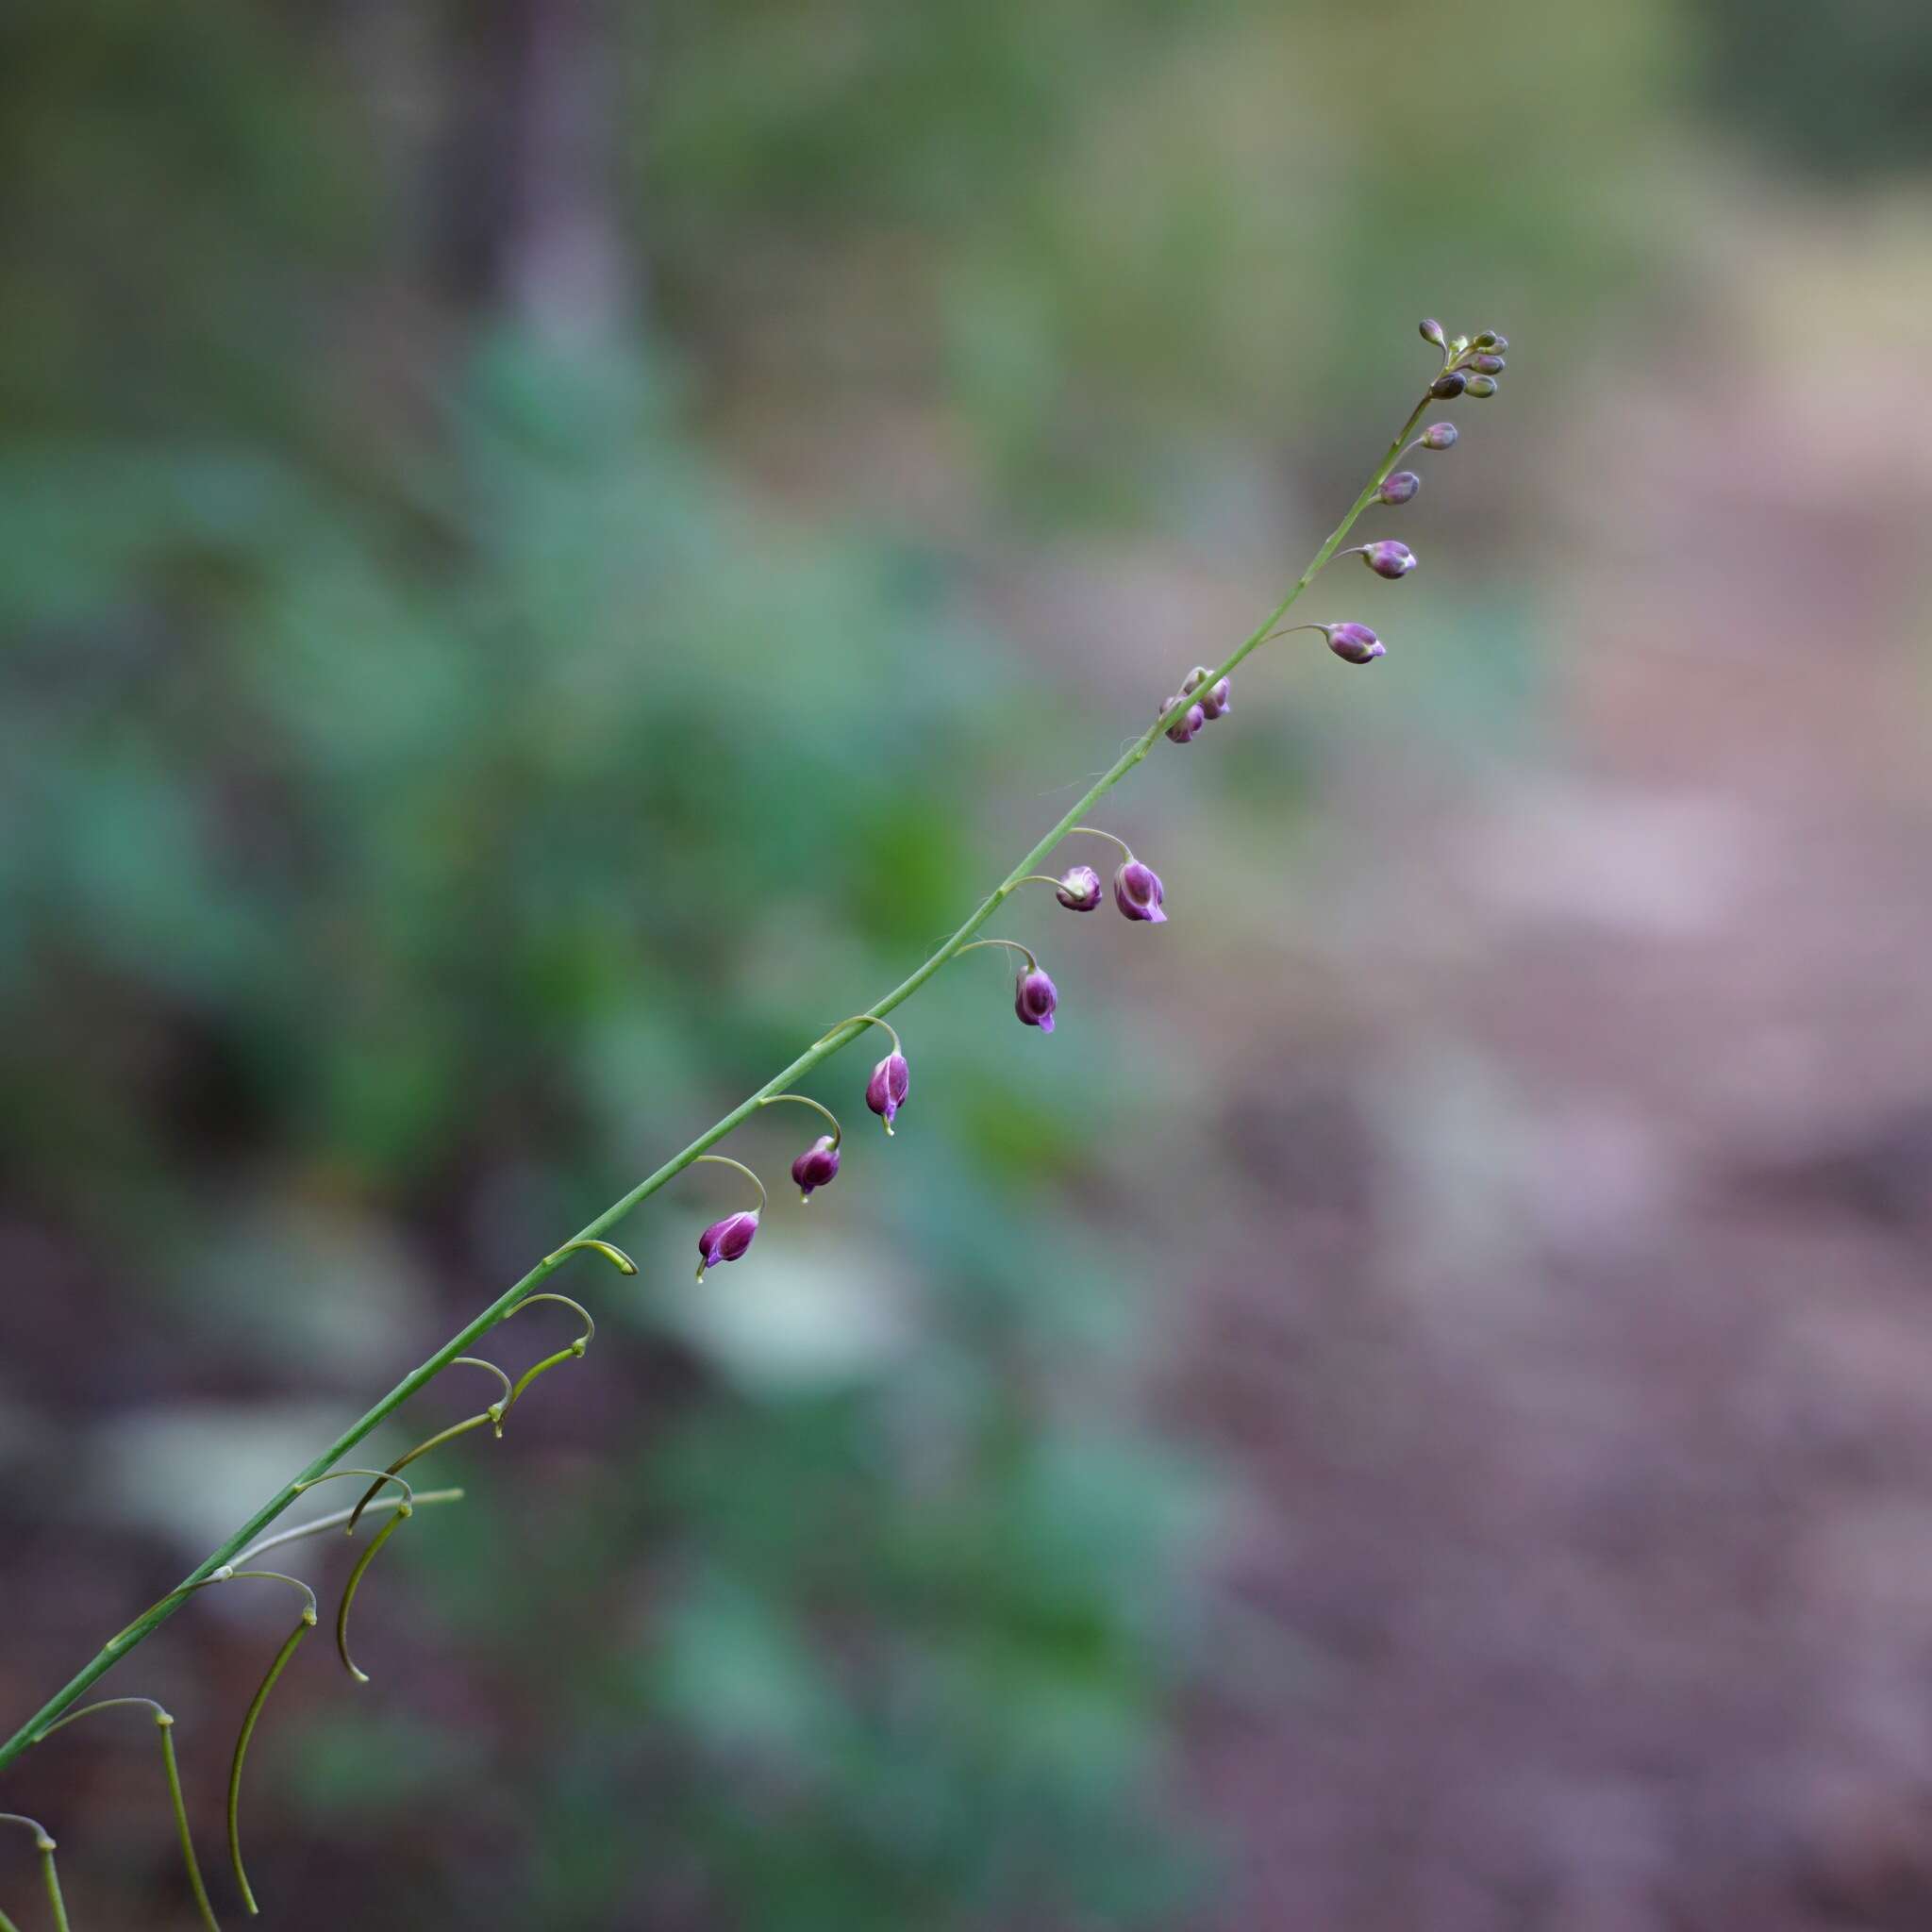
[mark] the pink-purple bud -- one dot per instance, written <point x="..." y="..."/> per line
<point x="1138" y="893"/>
<point x="1400" y="487"/>
<point x="1439" y="436"/>
<point x="885" y="1092"/>
<point x="816" y="1166"/>
<point x="727" y="1240"/>
<point x="1481" y="386"/>
<point x="1079" y="888"/>
<point x="1353" y="642"/>
<point x="1190" y="722"/>
<point x="1431" y="331"/>
<point x="1214" y="701"/>
<point x="1449" y="384"/>
<point x="1487" y="363"/>
<point x="1389" y="558"/>
<point x="1034" y="999"/>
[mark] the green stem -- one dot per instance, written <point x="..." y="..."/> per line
<point x="43" y="1844"/>
<point x="815" y="1055"/>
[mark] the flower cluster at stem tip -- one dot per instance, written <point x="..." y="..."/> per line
<point x="1470" y="367"/>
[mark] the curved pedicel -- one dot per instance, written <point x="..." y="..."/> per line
<point x="355" y="1583"/>
<point x="573" y="1353"/>
<point x="252" y="1716"/>
<point x="43" y="1844"/>
<point x="164" y="1723"/>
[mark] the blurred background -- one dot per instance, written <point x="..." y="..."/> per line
<point x="552" y="548"/>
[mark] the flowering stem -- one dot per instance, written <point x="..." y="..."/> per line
<point x="820" y="1050"/>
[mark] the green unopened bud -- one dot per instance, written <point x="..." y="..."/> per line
<point x="1486" y="340"/>
<point x="1480" y="386"/>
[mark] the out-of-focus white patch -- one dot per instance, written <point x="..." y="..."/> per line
<point x="191" y="1472"/>
<point x="1674" y="867"/>
<point x="781" y="1321"/>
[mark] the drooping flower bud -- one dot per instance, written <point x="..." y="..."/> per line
<point x="1389" y="558"/>
<point x="1353" y="642"/>
<point x="1482" y="386"/>
<point x="817" y="1166"/>
<point x="1488" y="365"/>
<point x="1400" y="487"/>
<point x="1486" y="338"/>
<point x="1432" y="331"/>
<point x="1079" y="888"/>
<point x="885" y="1092"/>
<point x="1137" y="891"/>
<point x="1214" y="701"/>
<point x="1450" y="383"/>
<point x="727" y="1240"/>
<point x="1034" y="997"/>
<point x="1190" y="722"/>
<point x="1439" y="436"/>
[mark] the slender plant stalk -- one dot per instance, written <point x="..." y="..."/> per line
<point x="249" y="1721"/>
<point x="842" y="1035"/>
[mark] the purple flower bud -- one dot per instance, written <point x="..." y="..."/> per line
<point x="1432" y="331"/>
<point x="1034" y="999"/>
<point x="1490" y="365"/>
<point x="1481" y="385"/>
<point x="885" y="1092"/>
<point x="1389" y="558"/>
<point x="1439" y="436"/>
<point x="1214" y="702"/>
<point x="1188" y="724"/>
<point x="727" y="1240"/>
<point x="1079" y="888"/>
<point x="1137" y="891"/>
<point x="1193" y="680"/>
<point x="1354" y="642"/>
<point x="1401" y="486"/>
<point x="817" y="1166"/>
<point x="1451" y="383"/>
